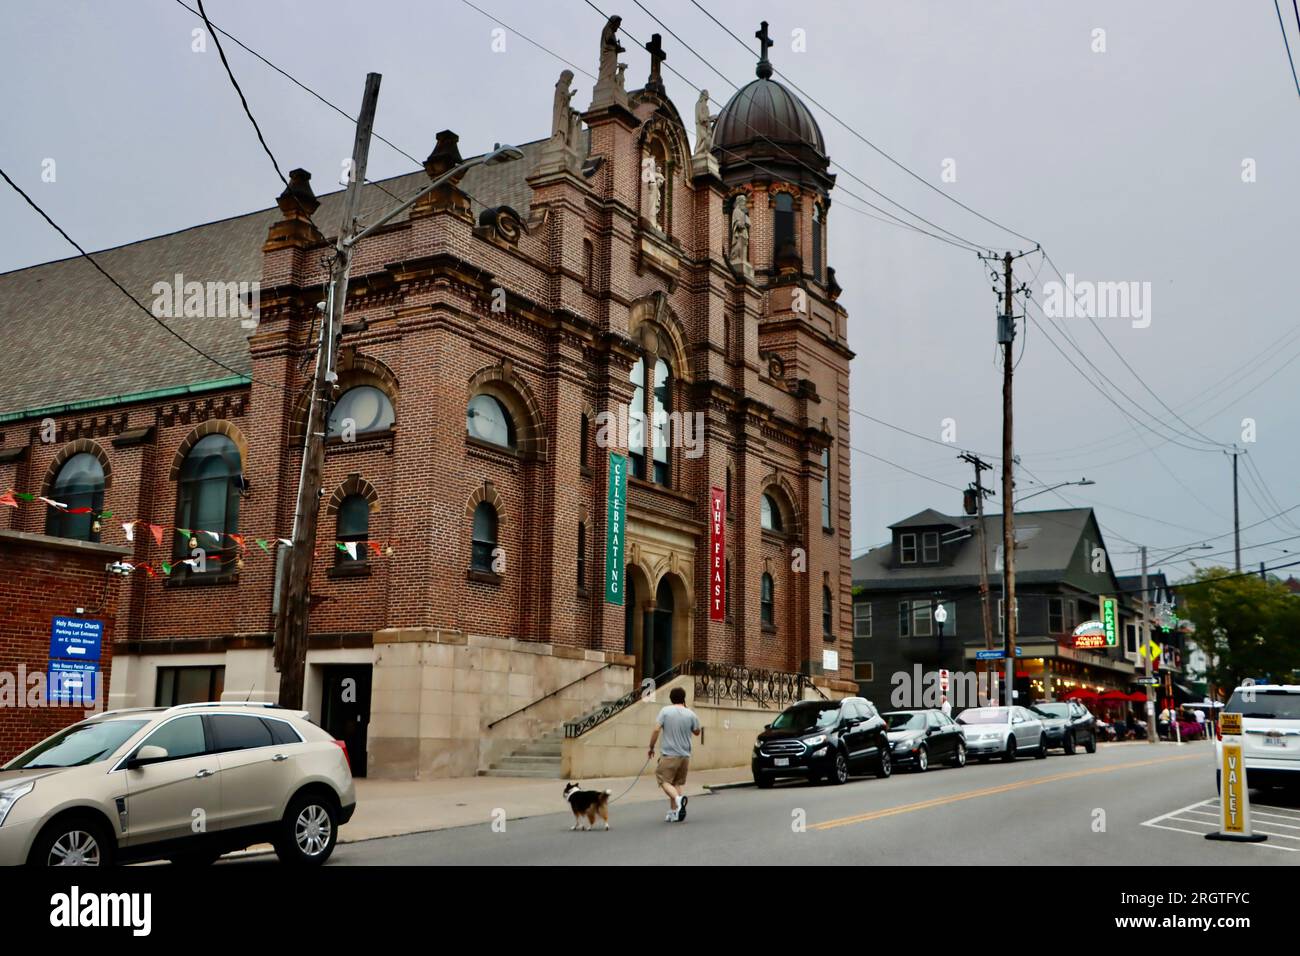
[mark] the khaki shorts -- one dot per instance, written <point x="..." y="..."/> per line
<point x="672" y="770"/>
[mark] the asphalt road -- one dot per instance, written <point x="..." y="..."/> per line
<point x="1112" y="807"/>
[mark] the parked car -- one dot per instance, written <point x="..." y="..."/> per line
<point x="1068" y="725"/>
<point x="1270" y="725"/>
<point x="822" y="740"/>
<point x="1004" y="731"/>
<point x="185" y="783"/>
<point x="918" y="737"/>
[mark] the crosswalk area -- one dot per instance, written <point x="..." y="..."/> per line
<point x="1281" y="824"/>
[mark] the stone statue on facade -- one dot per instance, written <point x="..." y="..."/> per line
<point x="740" y="233"/>
<point x="704" y="125"/>
<point x="655" y="187"/>
<point x="561" y="113"/>
<point x="609" y="76"/>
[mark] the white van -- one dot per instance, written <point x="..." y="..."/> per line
<point x="1270" y="724"/>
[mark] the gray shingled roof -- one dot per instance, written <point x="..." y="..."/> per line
<point x="1046" y="544"/>
<point x="73" y="337"/>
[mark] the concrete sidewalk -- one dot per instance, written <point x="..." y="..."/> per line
<point x="394" y="807"/>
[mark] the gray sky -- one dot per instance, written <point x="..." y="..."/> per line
<point x="1125" y="164"/>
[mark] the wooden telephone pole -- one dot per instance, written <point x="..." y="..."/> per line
<point x="295" y="572"/>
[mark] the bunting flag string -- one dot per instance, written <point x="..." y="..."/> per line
<point x="352" y="549"/>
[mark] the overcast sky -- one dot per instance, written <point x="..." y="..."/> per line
<point x="1127" y="165"/>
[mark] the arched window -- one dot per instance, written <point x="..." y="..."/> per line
<point x="770" y="514"/>
<point x="208" y="498"/>
<point x="767" y="601"/>
<point x="353" y="527"/>
<point x="484" y="537"/>
<point x="663" y="405"/>
<point x="828" y="624"/>
<point x="487" y="420"/>
<point x="783" y="227"/>
<point x="636" y="419"/>
<point x="817" y="240"/>
<point x="359" y="411"/>
<point x="79" y="484"/>
<point x="826" y="488"/>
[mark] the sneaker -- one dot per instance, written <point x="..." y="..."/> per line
<point x="681" y="812"/>
<point x="668" y="817"/>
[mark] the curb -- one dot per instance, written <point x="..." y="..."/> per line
<point x="740" y="784"/>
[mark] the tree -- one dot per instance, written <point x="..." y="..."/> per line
<point x="1247" y="627"/>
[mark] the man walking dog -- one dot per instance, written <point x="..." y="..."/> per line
<point x="678" y="722"/>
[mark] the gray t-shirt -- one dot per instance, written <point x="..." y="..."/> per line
<point x="677" y="723"/>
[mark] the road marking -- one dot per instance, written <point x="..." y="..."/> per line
<point x="1174" y="813"/>
<point x="988" y="792"/>
<point x="1184" y="815"/>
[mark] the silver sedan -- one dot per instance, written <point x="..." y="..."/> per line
<point x="1007" y="732"/>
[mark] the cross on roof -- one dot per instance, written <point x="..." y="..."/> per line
<point x="657" y="55"/>
<point x="764" y="44"/>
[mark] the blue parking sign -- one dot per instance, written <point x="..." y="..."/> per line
<point x="76" y="639"/>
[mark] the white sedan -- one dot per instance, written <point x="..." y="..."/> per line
<point x="1004" y="731"/>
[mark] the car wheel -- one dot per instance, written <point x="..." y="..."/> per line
<point x="1069" y="745"/>
<point x="308" y="830"/>
<point x="1091" y="746"/>
<point x="840" y="774"/>
<point x="1041" y="753"/>
<point x="73" y="841"/>
<point x="1010" y="753"/>
<point x="922" y="760"/>
<point x="885" y="766"/>
<point x="959" y="758"/>
<point x="762" y="782"/>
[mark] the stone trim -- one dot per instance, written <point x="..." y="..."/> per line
<point x="213" y="426"/>
<point x="76" y="448"/>
<point x="503" y="383"/>
<point x="354" y="484"/>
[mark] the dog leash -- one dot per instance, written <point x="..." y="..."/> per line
<point x="634" y="779"/>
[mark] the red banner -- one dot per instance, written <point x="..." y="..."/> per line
<point x="717" y="554"/>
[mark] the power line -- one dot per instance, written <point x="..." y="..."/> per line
<point x="1287" y="43"/>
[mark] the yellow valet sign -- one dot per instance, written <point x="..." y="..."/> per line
<point x="1234" y="798"/>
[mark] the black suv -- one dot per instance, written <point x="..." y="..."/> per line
<point x="822" y="739"/>
<point x="1068" y="725"/>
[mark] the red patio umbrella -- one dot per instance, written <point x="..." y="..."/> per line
<point x="1137" y="697"/>
<point x="1115" y="695"/>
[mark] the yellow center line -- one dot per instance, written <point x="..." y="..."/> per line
<point x="990" y="792"/>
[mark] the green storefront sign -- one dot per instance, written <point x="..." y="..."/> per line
<point x="1109" y="621"/>
<point x="616" y="524"/>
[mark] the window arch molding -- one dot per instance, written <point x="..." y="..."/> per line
<point x="213" y="426"/>
<point x="68" y="451"/>
<point x="354" y="369"/>
<point x="654" y="326"/>
<point x="354" y="484"/>
<point x="778" y="488"/>
<point x="509" y="388"/>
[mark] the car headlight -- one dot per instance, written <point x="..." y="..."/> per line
<point x="9" y="797"/>
<point x="814" y="741"/>
<point x="904" y="744"/>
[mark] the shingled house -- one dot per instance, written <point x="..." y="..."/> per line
<point x="461" y="570"/>
<point x="1062" y="574"/>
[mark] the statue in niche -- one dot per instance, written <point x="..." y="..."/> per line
<point x="740" y="231"/>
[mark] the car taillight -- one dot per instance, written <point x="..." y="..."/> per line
<point x="344" y="747"/>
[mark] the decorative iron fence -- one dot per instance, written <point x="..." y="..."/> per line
<point x="576" y="728"/>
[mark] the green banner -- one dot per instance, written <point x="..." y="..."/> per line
<point x="616" y="524"/>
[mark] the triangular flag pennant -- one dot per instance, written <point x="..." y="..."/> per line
<point x="79" y="511"/>
<point x="214" y="535"/>
<point x="166" y="568"/>
<point x="238" y="539"/>
<point x="351" y="548"/>
<point x="105" y="514"/>
<point x="340" y="545"/>
<point x="261" y="543"/>
<point x="149" y="570"/>
<point x="286" y="542"/>
<point x="129" y="528"/>
<point x="24" y="496"/>
<point x="8" y="499"/>
<point x="54" y="504"/>
<point x="374" y="546"/>
<point x="183" y="531"/>
<point x="157" y="531"/>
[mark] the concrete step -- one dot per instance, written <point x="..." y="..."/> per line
<point x="526" y="761"/>
<point x="541" y="750"/>
<point x="536" y="774"/>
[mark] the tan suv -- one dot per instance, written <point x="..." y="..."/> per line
<point x="185" y="783"/>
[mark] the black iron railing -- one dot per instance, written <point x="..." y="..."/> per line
<point x="557" y="690"/>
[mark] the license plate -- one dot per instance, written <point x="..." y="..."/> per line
<point x="782" y="761"/>
<point x="1274" y="742"/>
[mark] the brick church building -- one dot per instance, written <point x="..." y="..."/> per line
<point x="497" y="337"/>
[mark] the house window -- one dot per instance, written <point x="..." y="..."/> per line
<point x="636" y="419"/>
<point x="1131" y="638"/>
<point x="208" y="497"/>
<point x="921" y="619"/>
<point x="783" y="242"/>
<point x="907" y="548"/>
<point x="353" y="527"/>
<point x="904" y="619"/>
<point x="767" y="602"/>
<point x="864" y="671"/>
<point x="770" y="514"/>
<point x="487" y="420"/>
<point x="826" y="488"/>
<point x="359" y="411"/>
<point x="930" y="547"/>
<point x="582" y="556"/>
<point x="79" y="484"/>
<point x="817" y="226"/>
<point x="828" y="614"/>
<point x="1055" y="615"/>
<point x="484" y="537"/>
<point x="1001" y="621"/>
<point x="861" y="618"/>
<point x="188" y="685"/>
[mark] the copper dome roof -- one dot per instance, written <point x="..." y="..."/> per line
<point x="765" y="110"/>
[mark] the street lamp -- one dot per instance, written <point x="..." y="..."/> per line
<point x="1042" y="491"/>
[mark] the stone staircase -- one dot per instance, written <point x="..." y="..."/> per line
<point x="541" y="758"/>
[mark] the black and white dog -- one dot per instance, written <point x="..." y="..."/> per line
<point x="587" y="804"/>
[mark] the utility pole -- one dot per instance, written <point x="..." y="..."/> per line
<point x="295" y="590"/>
<point x="1236" y="519"/>
<point x="980" y="494"/>
<point x="1146" y="653"/>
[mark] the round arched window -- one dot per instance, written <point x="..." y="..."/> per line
<point x="487" y="420"/>
<point x="79" y="484"/>
<point x="770" y="514"/>
<point x="367" y="409"/>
